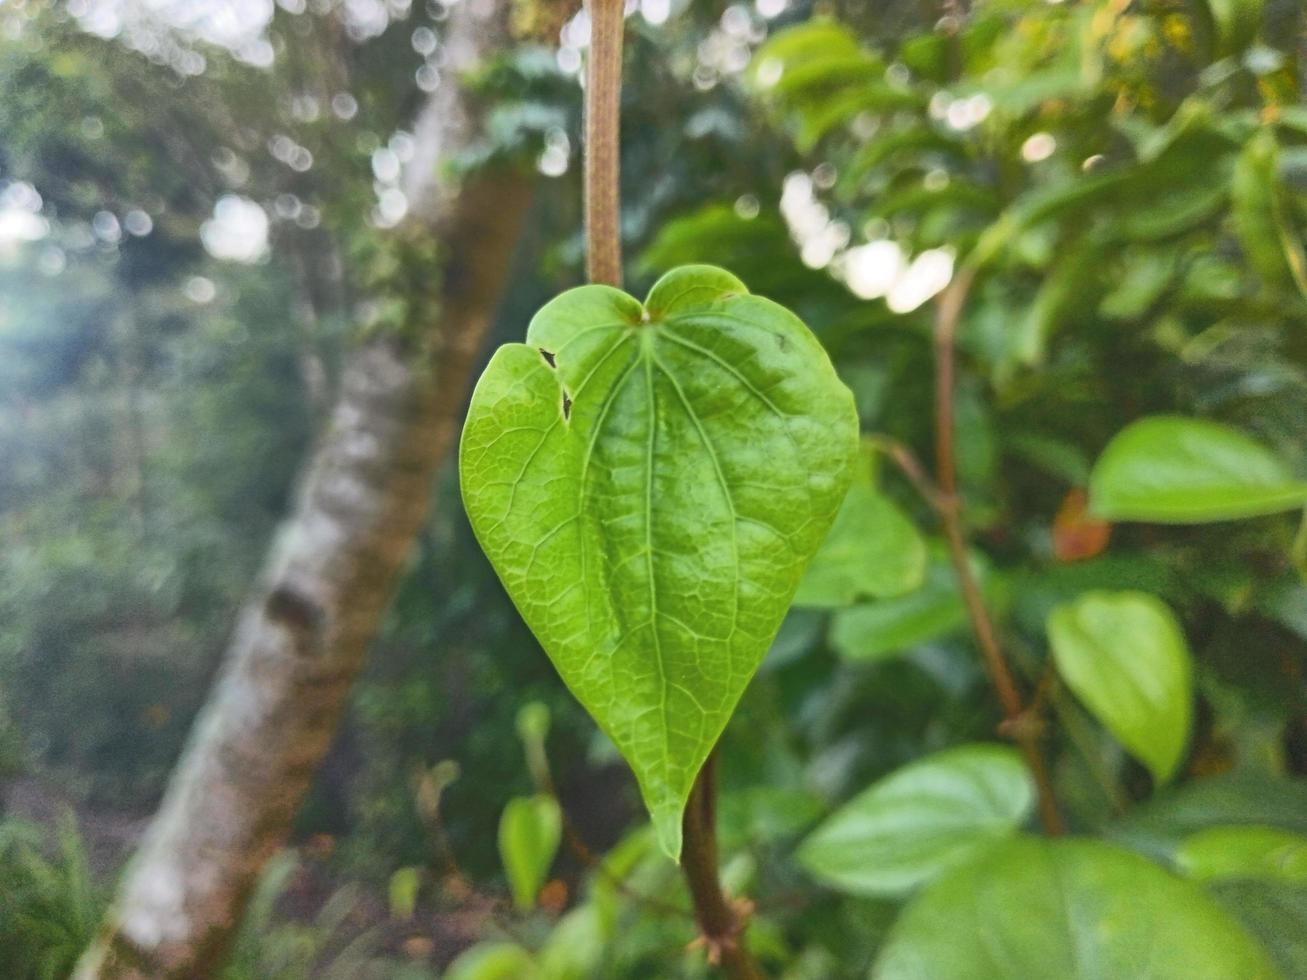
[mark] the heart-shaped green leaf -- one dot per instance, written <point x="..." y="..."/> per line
<point x="922" y="820"/>
<point x="1174" y="470"/>
<point x="1125" y="657"/>
<point x="649" y="482"/>
<point x="529" y="833"/>
<point x="1077" y="909"/>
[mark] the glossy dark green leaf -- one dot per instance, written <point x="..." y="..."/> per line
<point x="921" y="821"/>
<point x="1174" y="470"/>
<point x="650" y="481"/>
<point x="1034" y="909"/>
<point x="1125" y="657"/>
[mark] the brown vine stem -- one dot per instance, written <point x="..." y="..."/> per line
<point x="1020" y="724"/>
<point x="907" y="462"/>
<point x="603" y="103"/>
<point x="722" y="923"/>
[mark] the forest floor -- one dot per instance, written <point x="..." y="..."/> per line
<point x="433" y="935"/>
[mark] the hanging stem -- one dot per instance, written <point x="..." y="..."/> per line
<point x="1020" y="723"/>
<point x="721" y="922"/>
<point x="603" y="97"/>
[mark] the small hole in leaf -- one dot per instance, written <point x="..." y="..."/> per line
<point x="567" y="405"/>
<point x="549" y="357"/>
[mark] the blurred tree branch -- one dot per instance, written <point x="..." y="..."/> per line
<point x="306" y="627"/>
<point x="1020" y="720"/>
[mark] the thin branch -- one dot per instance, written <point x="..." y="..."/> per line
<point x="722" y="924"/>
<point x="1019" y="724"/>
<point x="907" y="462"/>
<point x="721" y="921"/>
<point x="603" y="96"/>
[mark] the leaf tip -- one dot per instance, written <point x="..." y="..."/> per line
<point x="667" y="828"/>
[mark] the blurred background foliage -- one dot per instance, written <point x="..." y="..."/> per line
<point x="193" y="197"/>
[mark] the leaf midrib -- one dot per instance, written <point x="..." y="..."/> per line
<point x="730" y="504"/>
<point x="646" y="356"/>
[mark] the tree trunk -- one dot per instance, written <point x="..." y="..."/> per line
<point x="306" y="627"/>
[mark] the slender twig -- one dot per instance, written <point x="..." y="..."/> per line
<point x="721" y="921"/>
<point x="603" y="95"/>
<point x="906" y="460"/>
<point x="1019" y="723"/>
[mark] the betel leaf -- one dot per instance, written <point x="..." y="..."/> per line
<point x="1241" y="852"/>
<point x="1031" y="909"/>
<point x="1125" y="657"/>
<point x="1174" y="470"/>
<point x="921" y="820"/>
<point x="530" y="830"/>
<point x="873" y="549"/>
<point x="649" y="482"/>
